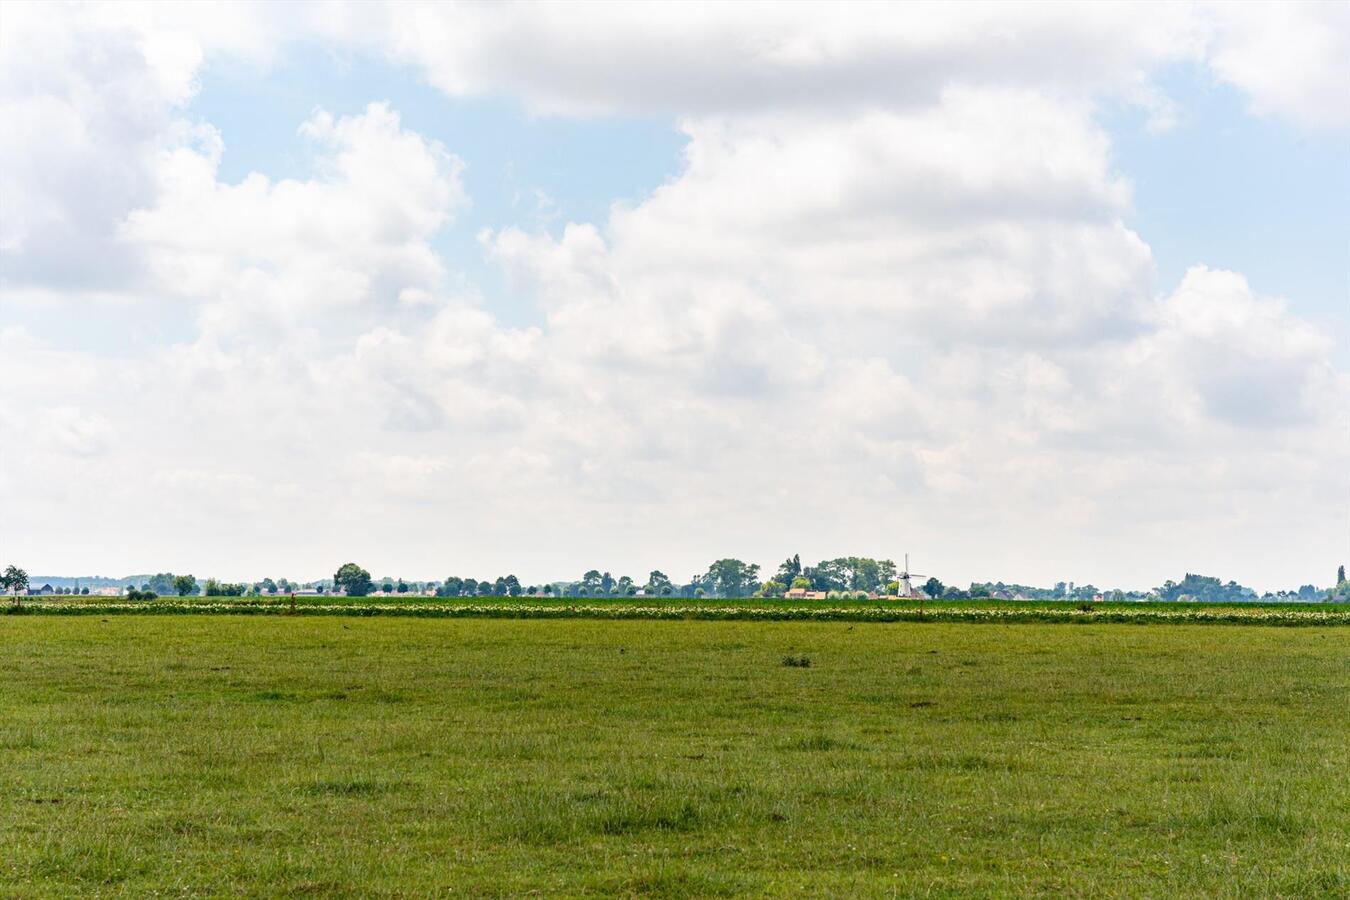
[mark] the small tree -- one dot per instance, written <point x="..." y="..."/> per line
<point x="16" y="580"/>
<point x="184" y="585"/>
<point x="353" y="579"/>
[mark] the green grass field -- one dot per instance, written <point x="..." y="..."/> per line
<point x="266" y="755"/>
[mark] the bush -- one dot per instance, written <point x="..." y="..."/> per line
<point x="134" y="594"/>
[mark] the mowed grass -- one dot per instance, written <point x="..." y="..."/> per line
<point x="329" y="756"/>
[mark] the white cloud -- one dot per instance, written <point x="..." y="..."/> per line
<point x="1289" y="58"/>
<point x="914" y="317"/>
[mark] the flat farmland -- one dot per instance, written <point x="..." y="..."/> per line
<point x="336" y="755"/>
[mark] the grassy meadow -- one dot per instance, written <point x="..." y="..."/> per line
<point x="334" y="755"/>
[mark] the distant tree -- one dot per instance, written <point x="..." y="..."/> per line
<point x="512" y="586"/>
<point x="933" y="588"/>
<point x="14" y="580"/>
<point x="954" y="593"/>
<point x="699" y="592"/>
<point x="160" y="584"/>
<point x="771" y="588"/>
<point x="402" y="586"/>
<point x="657" y="583"/>
<point x="184" y="585"/>
<point x="84" y="591"/>
<point x="607" y="583"/>
<point x="801" y="583"/>
<point x="548" y="590"/>
<point x="387" y="587"/>
<point x="978" y="590"/>
<point x="1340" y="574"/>
<point x="353" y="579"/>
<point x="1204" y="589"/>
<point x="732" y="578"/>
<point x="828" y="575"/>
<point x="591" y="583"/>
<point x="789" y="570"/>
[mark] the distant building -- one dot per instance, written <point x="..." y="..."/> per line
<point x="804" y="594"/>
<point x="41" y="591"/>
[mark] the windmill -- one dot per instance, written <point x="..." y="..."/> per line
<point x="907" y="589"/>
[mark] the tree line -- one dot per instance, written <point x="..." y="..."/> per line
<point x="726" y="578"/>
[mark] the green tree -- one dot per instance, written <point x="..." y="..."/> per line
<point x="14" y="580"/>
<point x="657" y="583"/>
<point x="512" y="586"/>
<point x="801" y="583"/>
<point x="402" y="586"/>
<point x="184" y="585"/>
<point x="789" y="569"/>
<point x="160" y="584"/>
<point x="732" y="578"/>
<point x="771" y="588"/>
<point x="590" y="583"/>
<point x="933" y="588"/>
<point x="353" y="579"/>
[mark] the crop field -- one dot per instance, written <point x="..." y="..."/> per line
<point x="393" y="755"/>
<point x="892" y="610"/>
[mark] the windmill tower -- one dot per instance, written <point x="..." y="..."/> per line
<point x="907" y="589"/>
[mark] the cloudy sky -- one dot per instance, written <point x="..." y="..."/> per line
<point x="1032" y="292"/>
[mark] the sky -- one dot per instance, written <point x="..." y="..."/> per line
<point x="1031" y="292"/>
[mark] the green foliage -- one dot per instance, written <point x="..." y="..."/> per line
<point x="1200" y="588"/>
<point x="850" y="573"/>
<point x="183" y="585"/>
<point x="161" y="584"/>
<point x="933" y="588"/>
<point x="732" y="578"/>
<point x="353" y="580"/>
<point x="772" y="588"/>
<point x="14" y="580"/>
